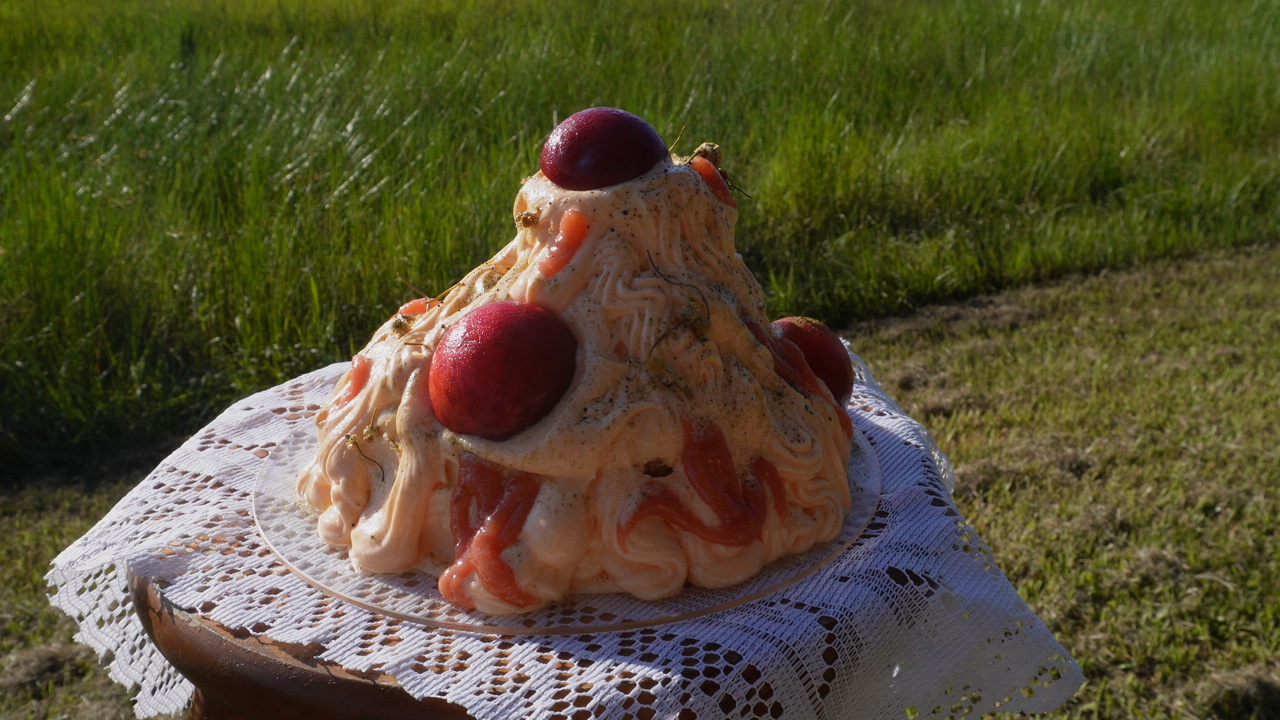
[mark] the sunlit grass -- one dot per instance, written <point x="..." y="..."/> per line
<point x="1114" y="445"/>
<point x="201" y="197"/>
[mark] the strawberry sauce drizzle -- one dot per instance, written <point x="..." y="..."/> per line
<point x="490" y="506"/>
<point x="573" y="231"/>
<point x="417" y="307"/>
<point x="790" y="364"/>
<point x="708" y="464"/>
<point x="714" y="180"/>
<point x="767" y="474"/>
<point x="359" y="377"/>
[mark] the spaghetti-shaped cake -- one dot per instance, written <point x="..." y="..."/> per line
<point x="603" y="406"/>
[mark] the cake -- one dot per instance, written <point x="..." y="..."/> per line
<point x="603" y="406"/>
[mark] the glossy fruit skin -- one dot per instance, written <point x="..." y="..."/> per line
<point x="599" y="147"/>
<point x="500" y="369"/>
<point x="823" y="351"/>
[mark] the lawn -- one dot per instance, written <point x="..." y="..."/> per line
<point x="199" y="198"/>
<point x="1114" y="441"/>
<point x="1051" y="228"/>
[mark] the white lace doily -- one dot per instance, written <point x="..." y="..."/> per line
<point x="915" y="614"/>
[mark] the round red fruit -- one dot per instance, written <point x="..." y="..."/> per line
<point x="500" y="369"/>
<point x="600" y="147"/>
<point x="824" y="352"/>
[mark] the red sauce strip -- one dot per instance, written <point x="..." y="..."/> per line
<point x="708" y="464"/>
<point x="357" y="378"/>
<point x="417" y="307"/>
<point x="490" y="506"/>
<point x="573" y="231"/>
<point x="714" y="180"/>
<point x="789" y="363"/>
<point x="767" y="474"/>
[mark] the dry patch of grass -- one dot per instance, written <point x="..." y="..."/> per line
<point x="1114" y="440"/>
<point x="44" y="673"/>
<point x="1250" y="692"/>
<point x="60" y="681"/>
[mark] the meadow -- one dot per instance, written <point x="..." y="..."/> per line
<point x="1051" y="228"/>
<point x="199" y="198"/>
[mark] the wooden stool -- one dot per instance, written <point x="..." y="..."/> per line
<point x="239" y="676"/>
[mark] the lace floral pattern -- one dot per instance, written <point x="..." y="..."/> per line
<point x="915" y="614"/>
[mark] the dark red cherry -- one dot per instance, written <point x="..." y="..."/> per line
<point x="600" y="147"/>
<point x="500" y="369"/>
<point x="826" y="355"/>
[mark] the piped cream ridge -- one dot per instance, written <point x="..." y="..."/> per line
<point x="686" y="420"/>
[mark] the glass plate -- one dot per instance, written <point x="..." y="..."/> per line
<point x="288" y="525"/>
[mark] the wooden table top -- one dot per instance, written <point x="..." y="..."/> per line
<point x="241" y="676"/>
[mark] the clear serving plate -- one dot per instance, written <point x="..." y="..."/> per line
<point x="288" y="525"/>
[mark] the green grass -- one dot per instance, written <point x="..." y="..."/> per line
<point x="1114" y="437"/>
<point x="1114" y="441"/>
<point x="46" y="674"/>
<point x="199" y="198"/>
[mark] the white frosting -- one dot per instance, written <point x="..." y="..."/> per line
<point x="657" y="262"/>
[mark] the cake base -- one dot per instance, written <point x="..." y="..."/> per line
<point x="288" y="526"/>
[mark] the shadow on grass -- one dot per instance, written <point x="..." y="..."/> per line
<point x="1251" y="693"/>
<point x="91" y="468"/>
